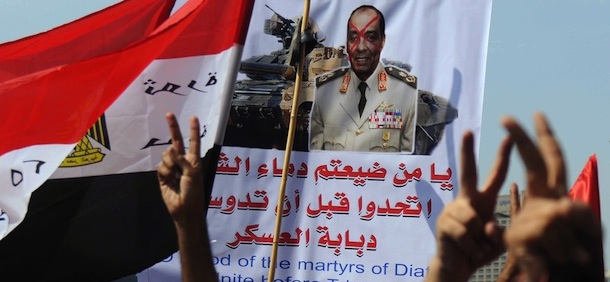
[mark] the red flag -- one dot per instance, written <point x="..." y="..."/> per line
<point x="105" y="31"/>
<point x="586" y="187"/>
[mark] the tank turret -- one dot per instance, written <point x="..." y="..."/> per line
<point x="262" y="103"/>
<point x="433" y="114"/>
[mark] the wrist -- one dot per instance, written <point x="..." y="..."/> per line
<point x="445" y="270"/>
<point x="191" y="225"/>
<point x="509" y="273"/>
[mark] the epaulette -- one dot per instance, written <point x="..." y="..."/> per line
<point x="402" y="75"/>
<point x="330" y="76"/>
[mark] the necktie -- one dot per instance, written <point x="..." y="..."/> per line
<point x="362" y="103"/>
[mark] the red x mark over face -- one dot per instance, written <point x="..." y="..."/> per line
<point x="364" y="42"/>
<point x="356" y="35"/>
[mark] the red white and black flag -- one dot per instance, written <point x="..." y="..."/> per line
<point x="54" y="85"/>
<point x="102" y="32"/>
<point x="101" y="216"/>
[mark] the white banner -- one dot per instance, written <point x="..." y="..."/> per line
<point x="349" y="216"/>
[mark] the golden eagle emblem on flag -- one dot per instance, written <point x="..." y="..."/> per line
<point x="84" y="153"/>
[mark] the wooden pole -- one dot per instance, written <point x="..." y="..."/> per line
<point x="289" y="143"/>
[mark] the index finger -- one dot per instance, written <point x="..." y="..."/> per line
<point x="195" y="141"/>
<point x="551" y="152"/>
<point x="468" y="167"/>
<point x="498" y="172"/>
<point x="530" y="154"/>
<point x="174" y="130"/>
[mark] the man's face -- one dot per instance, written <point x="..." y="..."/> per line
<point x="364" y="42"/>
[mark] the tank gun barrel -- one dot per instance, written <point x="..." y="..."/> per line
<point x="262" y="69"/>
<point x="284" y="20"/>
<point x="280" y="27"/>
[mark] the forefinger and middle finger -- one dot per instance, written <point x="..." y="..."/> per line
<point x="176" y="135"/>
<point x="536" y="170"/>
<point x="195" y="142"/>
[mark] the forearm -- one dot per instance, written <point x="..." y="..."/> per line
<point x="195" y="252"/>
<point x="510" y="271"/>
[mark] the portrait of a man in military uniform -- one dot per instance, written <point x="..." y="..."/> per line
<point x="368" y="106"/>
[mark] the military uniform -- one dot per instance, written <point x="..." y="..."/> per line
<point x="387" y="123"/>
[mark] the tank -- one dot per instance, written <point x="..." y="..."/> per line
<point x="261" y="105"/>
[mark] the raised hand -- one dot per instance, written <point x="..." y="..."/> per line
<point x="182" y="188"/>
<point x="467" y="234"/>
<point x="179" y="173"/>
<point x="552" y="238"/>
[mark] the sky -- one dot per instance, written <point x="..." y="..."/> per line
<point x="550" y="56"/>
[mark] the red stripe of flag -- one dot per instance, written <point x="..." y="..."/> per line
<point x="102" y="32"/>
<point x="59" y="105"/>
<point x="214" y="32"/>
<point x="586" y="187"/>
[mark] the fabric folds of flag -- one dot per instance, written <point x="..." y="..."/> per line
<point x="586" y="186"/>
<point x="46" y="113"/>
<point x="102" y="32"/>
<point x="112" y="222"/>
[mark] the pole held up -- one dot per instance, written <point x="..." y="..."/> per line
<point x="289" y="143"/>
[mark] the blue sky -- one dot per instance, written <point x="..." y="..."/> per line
<point x="551" y="56"/>
<point x="544" y="55"/>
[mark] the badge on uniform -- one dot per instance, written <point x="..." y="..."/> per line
<point x="383" y="81"/>
<point x="345" y="83"/>
<point x="386" y="135"/>
<point x="386" y="117"/>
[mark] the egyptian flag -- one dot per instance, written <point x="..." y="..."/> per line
<point x="586" y="186"/>
<point x="101" y="217"/>
<point x="105" y="31"/>
<point x="24" y="66"/>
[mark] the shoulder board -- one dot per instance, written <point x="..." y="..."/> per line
<point x="402" y="75"/>
<point x="330" y="76"/>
